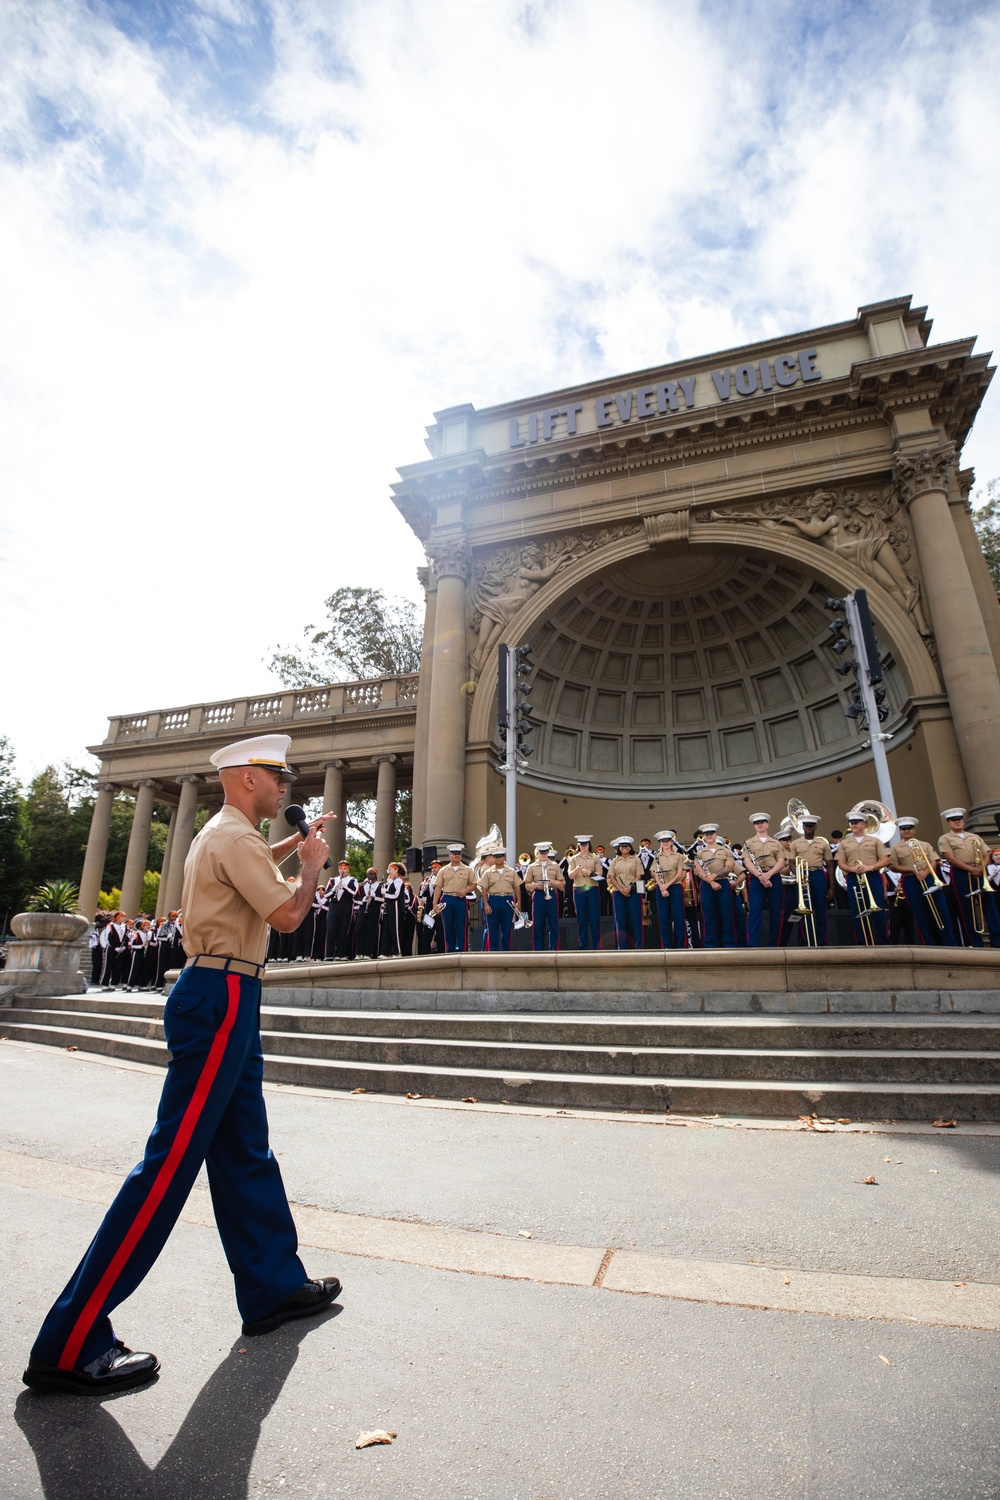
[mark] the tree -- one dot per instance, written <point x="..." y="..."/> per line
<point x="14" y="879"/>
<point x="986" y="520"/>
<point x="365" y="635"/>
<point x="50" y="852"/>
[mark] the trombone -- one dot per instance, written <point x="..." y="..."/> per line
<point x="880" y="823"/>
<point x="929" y="884"/>
<point x="797" y="814"/>
<point x="976" y="892"/>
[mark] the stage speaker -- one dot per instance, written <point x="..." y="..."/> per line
<point x="430" y="853"/>
<point x="413" y="864"/>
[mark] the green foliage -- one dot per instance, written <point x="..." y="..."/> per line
<point x="51" y="852"/>
<point x="986" y="520"/>
<point x="110" y="900"/>
<point x="55" y="895"/>
<point x="365" y="634"/>
<point x="150" y="892"/>
<point x="14" y="880"/>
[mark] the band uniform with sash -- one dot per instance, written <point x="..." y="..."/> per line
<point x="862" y="855"/>
<point x="211" y="1111"/>
<point x="667" y="869"/>
<point x="454" y="882"/>
<point x="976" y="908"/>
<point x="916" y="863"/>
<point x="626" y="882"/>
<point x="499" y="884"/>
<point x="341" y="894"/>
<point x="543" y="879"/>
<point x="814" y="850"/>
<point x="585" y="871"/>
<point x="713" y="864"/>
<point x="762" y="854"/>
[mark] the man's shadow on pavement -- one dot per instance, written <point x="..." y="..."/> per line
<point x="82" y="1452"/>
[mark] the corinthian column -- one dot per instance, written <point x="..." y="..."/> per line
<point x="97" y="849"/>
<point x="445" y="778"/>
<point x="183" y="834"/>
<point x="385" y="811"/>
<point x="423" y="708"/>
<point x="138" y="848"/>
<point x="967" y="663"/>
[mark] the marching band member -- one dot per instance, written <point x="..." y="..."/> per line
<point x="967" y="855"/>
<point x="789" y="888"/>
<point x="586" y="872"/>
<point x="818" y="855"/>
<point x="763" y="861"/>
<point x="602" y="880"/>
<point x="499" y="885"/>
<point x="392" y="929"/>
<point x="862" y="856"/>
<point x="668" y="869"/>
<point x="543" y="878"/>
<point x="713" y="864"/>
<point x="367" y="911"/>
<point x="429" y="933"/>
<point x="916" y="862"/>
<point x="341" y="893"/>
<point x="454" y="883"/>
<point x="625" y="882"/>
<point x="115" y="939"/>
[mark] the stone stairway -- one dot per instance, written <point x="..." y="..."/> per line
<point x="872" y="1067"/>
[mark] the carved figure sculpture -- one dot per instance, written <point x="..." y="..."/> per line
<point x="498" y="600"/>
<point x="865" y="553"/>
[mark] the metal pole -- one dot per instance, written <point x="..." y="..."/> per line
<point x="511" y="766"/>
<point x="871" y="707"/>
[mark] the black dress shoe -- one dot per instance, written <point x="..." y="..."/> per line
<point x="117" y="1370"/>
<point x="309" y="1299"/>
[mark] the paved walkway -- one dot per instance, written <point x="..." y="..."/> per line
<point x="540" y="1304"/>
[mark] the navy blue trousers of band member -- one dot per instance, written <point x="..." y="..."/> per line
<point x="764" y="897"/>
<point x="455" y="915"/>
<point x="587" y="900"/>
<point x="211" y="1110"/>
<point x="545" y="921"/>
<point x="963" y="883"/>
<point x="628" y="919"/>
<point x="670" y="916"/>
<point x="920" y="905"/>
<point x="861" y="919"/>
<point x="717" y="915"/>
<point x="818" y="895"/>
<point x="500" y="923"/>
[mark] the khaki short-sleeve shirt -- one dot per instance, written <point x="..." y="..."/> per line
<point x="765" y="851"/>
<point x="454" y="880"/>
<point x="231" y="887"/>
<point x="904" y="856"/>
<point x="495" y="881"/>
<point x="584" y="869"/>
<point x="853" y="852"/>
<point x="816" y="851"/>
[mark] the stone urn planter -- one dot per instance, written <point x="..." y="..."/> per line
<point x="45" y="956"/>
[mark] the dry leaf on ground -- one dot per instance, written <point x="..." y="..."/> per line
<point x="369" y="1439"/>
<point x="525" y="1234"/>
<point x="869" y="1181"/>
<point x="945" y="1124"/>
<point x="845" y="1121"/>
<point x="469" y="1099"/>
<point x="70" y="1049"/>
<point x="359" y="1091"/>
<point x="885" y="1361"/>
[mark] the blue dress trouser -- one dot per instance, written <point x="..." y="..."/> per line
<point x="211" y="1110"/>
<point x="544" y="921"/>
<point x="500" y="923"/>
<point x="864" y="921"/>
<point x="670" y="915"/>
<point x="628" y="918"/>
<point x="717" y="914"/>
<point x="455" y="917"/>
<point x="764" y="897"/>
<point x="587" y="900"/>
<point x="923" y="918"/>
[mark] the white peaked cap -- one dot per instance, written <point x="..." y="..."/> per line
<point x="625" y="838"/>
<point x="584" y="838"/>
<point x="542" y="844"/>
<point x="265" y="750"/>
<point x="456" y="848"/>
<point x="709" y="828"/>
<point x="667" y="833"/>
<point x="953" y="812"/>
<point x="907" y="822"/>
<point x="760" y="818"/>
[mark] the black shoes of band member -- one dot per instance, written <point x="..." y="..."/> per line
<point x="308" y="1300"/>
<point x="119" y="1369"/>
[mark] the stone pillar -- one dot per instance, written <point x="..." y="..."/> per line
<point x="445" y="778"/>
<point x="385" y="812"/>
<point x="967" y="664"/>
<point x="429" y="583"/>
<point x="278" y="828"/>
<point x="97" y="849"/>
<point x="138" y="848"/>
<point x="161" y="900"/>
<point x="183" y="834"/>
<point x="333" y="801"/>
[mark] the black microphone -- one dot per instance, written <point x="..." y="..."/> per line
<point x="296" y="816"/>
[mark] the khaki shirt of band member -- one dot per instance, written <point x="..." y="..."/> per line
<point x="535" y="873"/>
<point x="716" y="859"/>
<point x="453" y="880"/>
<point x="499" y="882"/>
<point x="668" y="866"/>
<point x="963" y="846"/>
<point x="903" y="856"/>
<point x="231" y="887"/>
<point x="853" y="853"/>
<point x="816" y="851"/>
<point x="766" y="852"/>
<point x="583" y="869"/>
<point x="625" y="869"/>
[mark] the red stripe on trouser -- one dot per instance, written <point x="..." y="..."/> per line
<point x="161" y="1182"/>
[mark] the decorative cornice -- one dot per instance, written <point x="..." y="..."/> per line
<point x="929" y="469"/>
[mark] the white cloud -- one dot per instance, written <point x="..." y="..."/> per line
<point x="235" y="289"/>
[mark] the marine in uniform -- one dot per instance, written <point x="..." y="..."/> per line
<point x="212" y="1108"/>
<point x="968" y="855"/>
<point x="818" y="856"/>
<point x="862" y="856"/>
<point x="499" y="885"/>
<point x="713" y="864"/>
<point x="916" y="862"/>
<point x="626" y="882"/>
<point x="667" y="871"/>
<point x="585" y="873"/>
<point x="454" y="882"/>
<point x="543" y="879"/>
<point x="789" y="887"/>
<point x="763" y="860"/>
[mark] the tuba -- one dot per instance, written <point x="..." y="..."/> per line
<point x="488" y="844"/>
<point x="879" y="819"/>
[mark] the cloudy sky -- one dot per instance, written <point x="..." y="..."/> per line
<point x="247" y="247"/>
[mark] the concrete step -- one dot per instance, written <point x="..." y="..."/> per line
<point x="94" y="1020"/>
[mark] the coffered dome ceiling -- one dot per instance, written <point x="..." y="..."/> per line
<point x="691" y="669"/>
